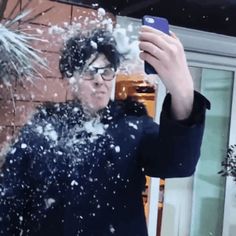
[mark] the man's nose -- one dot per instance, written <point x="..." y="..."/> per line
<point x="98" y="79"/>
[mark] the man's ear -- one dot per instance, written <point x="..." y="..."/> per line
<point x="71" y="86"/>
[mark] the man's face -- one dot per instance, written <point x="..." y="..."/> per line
<point x="94" y="84"/>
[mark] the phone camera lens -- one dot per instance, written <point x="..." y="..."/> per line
<point x="150" y="20"/>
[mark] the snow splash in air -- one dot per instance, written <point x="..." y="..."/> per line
<point x="127" y="45"/>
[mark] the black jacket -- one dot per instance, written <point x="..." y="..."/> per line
<point x="68" y="174"/>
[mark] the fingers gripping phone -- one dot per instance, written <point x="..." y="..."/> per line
<point x="157" y="23"/>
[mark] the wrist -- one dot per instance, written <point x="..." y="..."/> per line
<point x="182" y="104"/>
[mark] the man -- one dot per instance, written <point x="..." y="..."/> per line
<point x="78" y="168"/>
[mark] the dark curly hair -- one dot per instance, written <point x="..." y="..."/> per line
<point x="78" y="50"/>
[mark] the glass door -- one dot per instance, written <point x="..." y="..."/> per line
<point x="208" y="186"/>
<point x="197" y="205"/>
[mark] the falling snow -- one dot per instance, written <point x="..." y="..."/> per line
<point x="73" y="182"/>
<point x="101" y="12"/>
<point x="117" y="149"/>
<point x="112" y="230"/>
<point x="133" y="125"/>
<point x="50" y="132"/>
<point x="49" y="202"/>
<point x="94" y="44"/>
<point x="23" y="146"/>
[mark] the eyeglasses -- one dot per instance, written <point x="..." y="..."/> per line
<point x="107" y="73"/>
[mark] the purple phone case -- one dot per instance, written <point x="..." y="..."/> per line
<point x="157" y="23"/>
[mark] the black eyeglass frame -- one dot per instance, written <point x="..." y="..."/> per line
<point x="95" y="70"/>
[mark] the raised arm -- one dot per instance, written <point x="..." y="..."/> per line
<point x="173" y="148"/>
<point x="166" y="54"/>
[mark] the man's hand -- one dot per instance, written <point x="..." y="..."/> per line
<point x="166" y="54"/>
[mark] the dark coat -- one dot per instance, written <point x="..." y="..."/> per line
<point x="70" y="175"/>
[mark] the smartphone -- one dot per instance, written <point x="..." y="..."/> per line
<point x="157" y="23"/>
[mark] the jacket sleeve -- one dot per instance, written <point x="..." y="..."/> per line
<point x="14" y="186"/>
<point x="173" y="148"/>
<point x="15" y="178"/>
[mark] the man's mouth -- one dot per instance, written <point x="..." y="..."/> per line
<point x="99" y="92"/>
